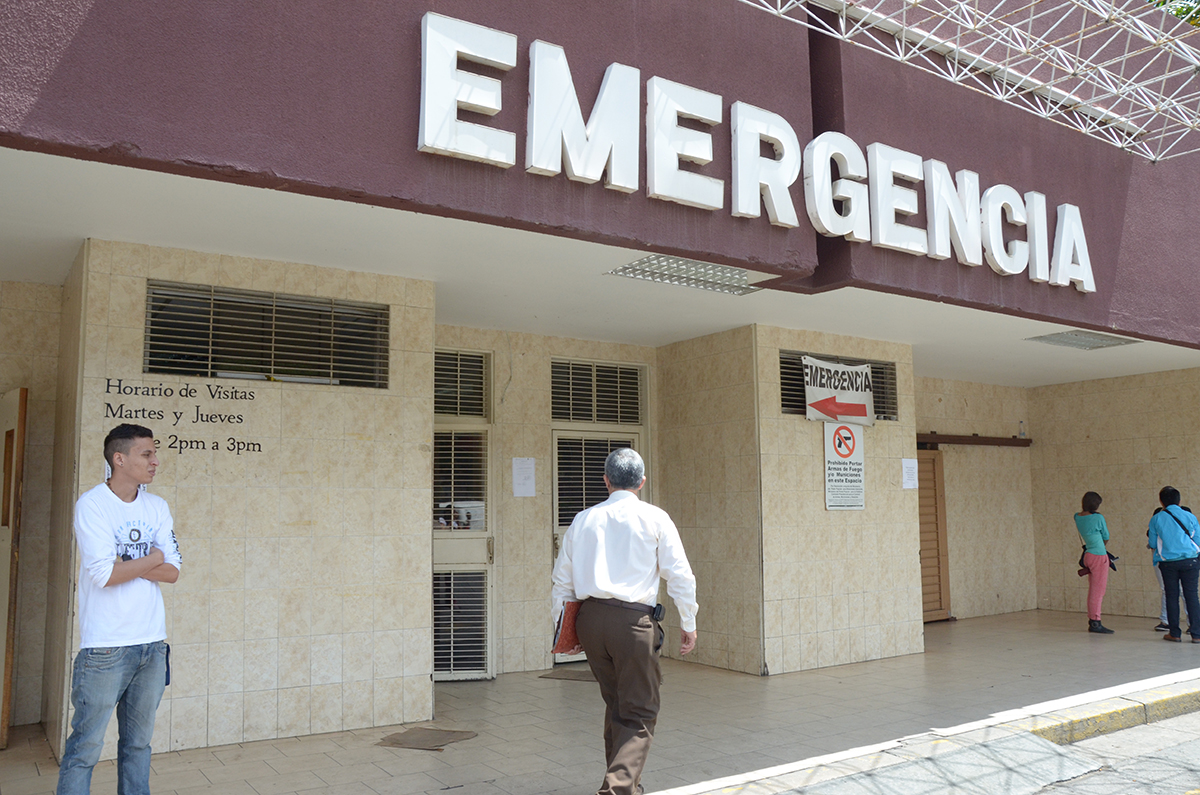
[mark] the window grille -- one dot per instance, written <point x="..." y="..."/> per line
<point x="459" y="622"/>
<point x="883" y="383"/>
<point x="590" y="392"/>
<point x="460" y="384"/>
<point x="579" y="473"/>
<point x="225" y="333"/>
<point x="460" y="480"/>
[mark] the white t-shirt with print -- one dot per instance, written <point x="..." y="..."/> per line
<point x="106" y="527"/>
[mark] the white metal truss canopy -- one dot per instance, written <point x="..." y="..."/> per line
<point x="1125" y="72"/>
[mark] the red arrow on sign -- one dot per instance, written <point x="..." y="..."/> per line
<point x="831" y="408"/>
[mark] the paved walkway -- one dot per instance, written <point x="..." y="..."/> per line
<point x="540" y="735"/>
<point x="1039" y="748"/>
<point x="1145" y="760"/>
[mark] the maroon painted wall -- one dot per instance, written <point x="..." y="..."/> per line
<point x="1135" y="213"/>
<point x="323" y="97"/>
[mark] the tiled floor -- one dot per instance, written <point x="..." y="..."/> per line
<point x="543" y="735"/>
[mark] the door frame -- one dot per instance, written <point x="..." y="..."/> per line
<point x="13" y="489"/>
<point x="939" y="482"/>
<point x="469" y="550"/>
<point x="489" y="623"/>
<point x="557" y="531"/>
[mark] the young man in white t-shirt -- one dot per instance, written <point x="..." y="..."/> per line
<point x="127" y="546"/>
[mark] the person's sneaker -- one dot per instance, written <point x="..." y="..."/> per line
<point x="1162" y="627"/>
<point x="1171" y="638"/>
<point x="1195" y="640"/>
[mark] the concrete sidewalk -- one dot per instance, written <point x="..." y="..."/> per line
<point x="1020" y="751"/>
<point x="539" y="736"/>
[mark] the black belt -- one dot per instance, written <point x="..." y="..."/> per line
<point x="647" y="609"/>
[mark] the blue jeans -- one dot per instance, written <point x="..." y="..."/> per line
<point x="1183" y="573"/>
<point x="130" y="679"/>
<point x="1162" y="613"/>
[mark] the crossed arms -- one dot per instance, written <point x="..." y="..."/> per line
<point x="149" y="567"/>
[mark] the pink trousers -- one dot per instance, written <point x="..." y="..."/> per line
<point x="1097" y="566"/>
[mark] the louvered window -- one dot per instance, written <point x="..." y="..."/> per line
<point x="883" y="383"/>
<point x="590" y="392"/>
<point x="460" y="382"/>
<point x="460" y="622"/>
<point x="579" y="472"/>
<point x="225" y="333"/>
<point x="460" y="480"/>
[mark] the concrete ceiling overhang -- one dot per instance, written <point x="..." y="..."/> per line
<point x="500" y="278"/>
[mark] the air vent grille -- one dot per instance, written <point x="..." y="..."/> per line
<point x="460" y="384"/>
<point x="600" y="393"/>
<point x="460" y="622"/>
<point x="225" y="333"/>
<point x="689" y="273"/>
<point x="1083" y="340"/>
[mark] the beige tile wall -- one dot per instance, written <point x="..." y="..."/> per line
<point x="29" y="334"/>
<point x="709" y="476"/>
<point x="1124" y="438"/>
<point x="989" y="501"/>
<point x="840" y="586"/>
<point x="303" y="605"/>
<point x="522" y="526"/>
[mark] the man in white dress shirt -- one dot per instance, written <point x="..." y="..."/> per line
<point x="611" y="559"/>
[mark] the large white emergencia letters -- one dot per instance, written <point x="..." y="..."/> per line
<point x="953" y="214"/>
<point x="1036" y="231"/>
<point x="821" y="190"/>
<point x="667" y="143"/>
<point x="755" y="175"/>
<point x="846" y="194"/>
<point x="1001" y="204"/>
<point x="1071" y="263"/>
<point x="445" y="88"/>
<point x="888" y="199"/>
<point x="555" y="135"/>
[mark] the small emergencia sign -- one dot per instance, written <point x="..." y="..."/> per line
<point x="838" y="392"/>
<point x="845" y="473"/>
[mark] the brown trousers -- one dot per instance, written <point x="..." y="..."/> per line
<point x="622" y="648"/>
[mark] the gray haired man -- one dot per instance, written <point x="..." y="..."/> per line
<point x="612" y="558"/>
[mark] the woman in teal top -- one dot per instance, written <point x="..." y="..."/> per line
<point x="1094" y="532"/>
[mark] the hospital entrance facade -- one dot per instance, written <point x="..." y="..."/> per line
<point x="385" y="379"/>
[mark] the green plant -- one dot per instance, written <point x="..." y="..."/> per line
<point x="1187" y="10"/>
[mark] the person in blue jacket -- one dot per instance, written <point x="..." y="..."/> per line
<point x="1173" y="537"/>
<point x="1162" y="625"/>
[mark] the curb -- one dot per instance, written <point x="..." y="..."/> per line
<point x="1071" y="725"/>
<point x="1060" y="722"/>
